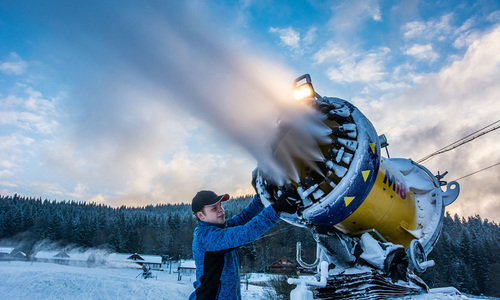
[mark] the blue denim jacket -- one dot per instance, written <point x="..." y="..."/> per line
<point x="214" y="250"/>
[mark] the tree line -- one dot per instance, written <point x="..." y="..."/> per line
<point x="467" y="254"/>
<point x="159" y="229"/>
<point x="163" y="229"/>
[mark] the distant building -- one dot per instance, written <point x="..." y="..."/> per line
<point x="283" y="265"/>
<point x="11" y="253"/>
<point x="187" y="267"/>
<point x="18" y="255"/>
<point x="150" y="261"/>
<point x="5" y="253"/>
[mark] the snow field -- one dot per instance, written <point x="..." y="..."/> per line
<point x="26" y="280"/>
<point x="36" y="280"/>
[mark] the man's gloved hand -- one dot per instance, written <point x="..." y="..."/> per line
<point x="288" y="202"/>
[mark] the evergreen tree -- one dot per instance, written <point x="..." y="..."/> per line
<point x="133" y="242"/>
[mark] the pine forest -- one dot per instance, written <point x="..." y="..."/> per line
<point x="467" y="254"/>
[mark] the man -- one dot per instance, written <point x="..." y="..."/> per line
<point x="216" y="240"/>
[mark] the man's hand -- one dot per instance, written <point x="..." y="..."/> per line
<point x="288" y="202"/>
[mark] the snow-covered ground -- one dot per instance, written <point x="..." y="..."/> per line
<point x="35" y="280"/>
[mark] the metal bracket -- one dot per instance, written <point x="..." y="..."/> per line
<point x="451" y="193"/>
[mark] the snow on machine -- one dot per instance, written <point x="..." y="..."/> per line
<point x="375" y="219"/>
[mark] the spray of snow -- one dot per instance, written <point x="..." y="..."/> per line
<point x="175" y="54"/>
<point x="297" y="143"/>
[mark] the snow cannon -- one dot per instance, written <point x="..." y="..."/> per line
<point x="353" y="197"/>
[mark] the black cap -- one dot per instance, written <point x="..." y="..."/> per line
<point x="204" y="198"/>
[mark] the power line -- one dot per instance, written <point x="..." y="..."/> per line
<point x="272" y="233"/>
<point x="454" y="145"/>
<point x="461" y="141"/>
<point x="478" y="171"/>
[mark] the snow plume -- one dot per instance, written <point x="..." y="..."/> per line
<point x="51" y="251"/>
<point x="153" y="62"/>
<point x="20" y="241"/>
<point x="52" y="246"/>
<point x="298" y="142"/>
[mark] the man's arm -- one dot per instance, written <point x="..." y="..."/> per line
<point x="252" y="209"/>
<point x="217" y="239"/>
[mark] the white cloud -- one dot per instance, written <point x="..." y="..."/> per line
<point x="288" y="36"/>
<point x="350" y="66"/>
<point x="311" y="36"/>
<point x="15" y="150"/>
<point x="377" y="16"/>
<point x="414" y="29"/>
<point x="31" y="113"/>
<point x="14" y="65"/>
<point x="15" y="141"/>
<point x="366" y="70"/>
<point x="81" y="191"/>
<point x="444" y="107"/>
<point x="5" y="174"/>
<point x="466" y="34"/>
<point x="35" y="102"/>
<point x="422" y="52"/>
<point x="494" y="16"/>
<point x="4" y="163"/>
<point x="466" y="38"/>
<point x="429" y="30"/>
<point x="9" y="102"/>
<point x="477" y="72"/>
<point x="39" y="187"/>
<point x="332" y="52"/>
<point x="222" y="172"/>
<point x="100" y="199"/>
<point x="7" y="184"/>
<point x="407" y="73"/>
<point x="177" y="179"/>
<point x="27" y="122"/>
<point x="348" y="16"/>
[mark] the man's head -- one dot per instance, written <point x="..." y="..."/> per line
<point x="207" y="207"/>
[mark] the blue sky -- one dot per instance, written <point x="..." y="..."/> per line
<point x="136" y="103"/>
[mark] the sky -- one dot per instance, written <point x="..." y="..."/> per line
<point x="136" y="103"/>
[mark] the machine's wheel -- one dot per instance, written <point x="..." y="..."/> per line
<point x="418" y="257"/>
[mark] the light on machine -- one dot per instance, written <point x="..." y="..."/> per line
<point x="303" y="90"/>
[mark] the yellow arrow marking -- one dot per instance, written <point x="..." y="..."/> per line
<point x="372" y="145"/>
<point x="348" y="200"/>
<point x="365" y="174"/>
